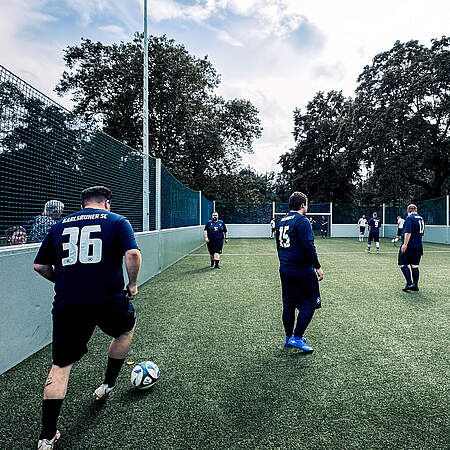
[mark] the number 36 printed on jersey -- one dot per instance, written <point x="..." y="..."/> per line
<point x="87" y="250"/>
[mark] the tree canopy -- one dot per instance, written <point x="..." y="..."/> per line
<point x="391" y="143"/>
<point x="196" y="133"/>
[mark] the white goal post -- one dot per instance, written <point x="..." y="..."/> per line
<point x="328" y="215"/>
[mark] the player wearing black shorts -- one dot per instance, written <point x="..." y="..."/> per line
<point x="323" y="227"/>
<point x="411" y="250"/>
<point x="299" y="271"/>
<point x="362" y="223"/>
<point x="82" y="254"/>
<point x="374" y="233"/>
<point x="215" y="231"/>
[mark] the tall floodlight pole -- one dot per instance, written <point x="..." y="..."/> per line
<point x="145" y="171"/>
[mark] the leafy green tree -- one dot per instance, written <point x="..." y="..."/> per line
<point x="324" y="163"/>
<point x="197" y="134"/>
<point x="245" y="186"/>
<point x="402" y="112"/>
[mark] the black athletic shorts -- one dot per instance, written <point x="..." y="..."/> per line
<point x="375" y="237"/>
<point x="73" y="327"/>
<point x="362" y="230"/>
<point x="411" y="256"/>
<point x="299" y="290"/>
<point x="215" y="246"/>
<point x="399" y="231"/>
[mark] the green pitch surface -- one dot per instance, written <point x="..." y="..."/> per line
<point x="379" y="376"/>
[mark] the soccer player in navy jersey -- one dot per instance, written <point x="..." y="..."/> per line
<point x="215" y="231"/>
<point x="323" y="227"/>
<point x="82" y="255"/>
<point x="374" y="232"/>
<point x="300" y="271"/>
<point x="411" y="250"/>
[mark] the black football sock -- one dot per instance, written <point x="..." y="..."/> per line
<point x="415" y="275"/>
<point x="305" y="315"/>
<point x="212" y="263"/>
<point x="288" y="320"/>
<point x="407" y="274"/>
<point x="112" y="371"/>
<point x="50" y="413"/>
<point x="217" y="262"/>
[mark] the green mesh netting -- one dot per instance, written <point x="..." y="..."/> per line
<point x="207" y="209"/>
<point x="179" y="204"/>
<point x="433" y="211"/>
<point x="345" y="213"/>
<point x="244" y="212"/>
<point x="46" y="154"/>
<point x="312" y="208"/>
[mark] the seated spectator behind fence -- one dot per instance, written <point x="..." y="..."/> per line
<point x="16" y="235"/>
<point x="39" y="226"/>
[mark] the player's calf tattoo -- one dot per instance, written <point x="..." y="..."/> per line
<point x="48" y="382"/>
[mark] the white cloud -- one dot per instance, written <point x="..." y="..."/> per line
<point x="36" y="61"/>
<point x="115" y="30"/>
<point x="277" y="53"/>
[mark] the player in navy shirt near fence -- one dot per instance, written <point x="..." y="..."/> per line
<point x="411" y="250"/>
<point x="299" y="271"/>
<point x="374" y="232"/>
<point x="323" y="227"/>
<point x="215" y="231"/>
<point x="83" y="254"/>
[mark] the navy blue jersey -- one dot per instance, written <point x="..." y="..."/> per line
<point x="375" y="225"/>
<point x="295" y="245"/>
<point x="324" y="222"/>
<point x="215" y="230"/>
<point x="415" y="225"/>
<point x="86" y="250"/>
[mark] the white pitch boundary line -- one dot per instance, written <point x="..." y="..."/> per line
<point x="319" y="253"/>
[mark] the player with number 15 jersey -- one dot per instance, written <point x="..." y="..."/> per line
<point x="299" y="265"/>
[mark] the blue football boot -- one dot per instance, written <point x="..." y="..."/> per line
<point x="286" y="344"/>
<point x="300" y="342"/>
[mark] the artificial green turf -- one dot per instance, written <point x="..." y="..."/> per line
<point x="379" y="376"/>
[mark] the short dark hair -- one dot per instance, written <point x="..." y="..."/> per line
<point x="374" y="213"/>
<point x="96" y="193"/>
<point x="296" y="200"/>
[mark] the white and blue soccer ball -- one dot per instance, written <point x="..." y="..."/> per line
<point x="145" y="375"/>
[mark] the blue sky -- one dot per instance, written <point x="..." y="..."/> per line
<point x="276" y="53"/>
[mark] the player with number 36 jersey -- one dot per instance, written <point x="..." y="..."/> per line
<point x="83" y="255"/>
<point x="86" y="250"/>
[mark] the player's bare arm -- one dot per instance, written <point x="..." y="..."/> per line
<point x="319" y="273"/>
<point x="407" y="236"/>
<point x="133" y="262"/>
<point x="46" y="271"/>
<point x="206" y="236"/>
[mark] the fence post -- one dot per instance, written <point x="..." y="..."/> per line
<point x="273" y="209"/>
<point x="145" y="171"/>
<point x="331" y="219"/>
<point x="447" y="203"/>
<point x="145" y="193"/>
<point x="214" y="205"/>
<point x="384" y="219"/>
<point x="200" y="207"/>
<point x="158" y="194"/>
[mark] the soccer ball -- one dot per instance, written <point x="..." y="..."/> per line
<point x="393" y="241"/>
<point x="145" y="375"/>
